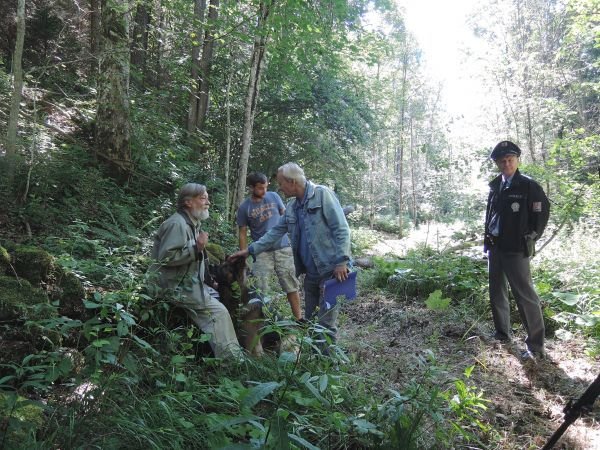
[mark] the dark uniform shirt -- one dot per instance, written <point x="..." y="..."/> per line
<point x="523" y="211"/>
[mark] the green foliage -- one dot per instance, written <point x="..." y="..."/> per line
<point x="424" y="271"/>
<point x="21" y="419"/>
<point x="362" y="239"/>
<point x="567" y="280"/>
<point x="38" y="372"/>
<point x="435" y="301"/>
<point x="19" y="299"/>
<point x="32" y="263"/>
<point x="427" y="415"/>
<point x="388" y="224"/>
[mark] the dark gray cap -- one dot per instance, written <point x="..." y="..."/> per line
<point x="505" y="148"/>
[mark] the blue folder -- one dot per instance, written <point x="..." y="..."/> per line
<point x="333" y="288"/>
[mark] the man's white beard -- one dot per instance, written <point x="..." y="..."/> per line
<point x="200" y="214"/>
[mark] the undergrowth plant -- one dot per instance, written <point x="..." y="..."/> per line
<point x="424" y="271"/>
<point x="567" y="277"/>
<point x="433" y="411"/>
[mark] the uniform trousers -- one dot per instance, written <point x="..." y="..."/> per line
<point x="513" y="269"/>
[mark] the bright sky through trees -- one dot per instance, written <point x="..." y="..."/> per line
<point x="443" y="34"/>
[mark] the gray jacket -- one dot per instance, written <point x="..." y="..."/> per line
<point x="178" y="263"/>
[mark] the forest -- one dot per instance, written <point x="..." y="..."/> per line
<point x="108" y="107"/>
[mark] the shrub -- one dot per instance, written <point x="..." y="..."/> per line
<point x="21" y="418"/>
<point x="32" y="263"/>
<point x="19" y="299"/>
<point x="425" y="271"/>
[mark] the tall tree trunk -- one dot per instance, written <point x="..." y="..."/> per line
<point x="530" y="140"/>
<point x="112" y="121"/>
<point x="413" y="161"/>
<point x="399" y="154"/>
<point x="373" y="165"/>
<point x="15" y="105"/>
<point x="139" y="43"/>
<point x="95" y="39"/>
<point x="206" y="61"/>
<point x="256" y="65"/>
<point x="228" y="209"/>
<point x="159" y="47"/>
<point x="372" y="171"/>
<point x="199" y="8"/>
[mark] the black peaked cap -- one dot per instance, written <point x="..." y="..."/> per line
<point x="505" y="148"/>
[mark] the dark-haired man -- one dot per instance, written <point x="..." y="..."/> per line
<point x="516" y="216"/>
<point x="181" y="260"/>
<point x="260" y="212"/>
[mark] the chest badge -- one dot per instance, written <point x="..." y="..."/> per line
<point x="515" y="207"/>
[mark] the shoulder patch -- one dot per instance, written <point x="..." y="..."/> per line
<point x="537" y="207"/>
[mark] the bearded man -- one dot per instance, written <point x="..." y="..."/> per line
<point x="181" y="260"/>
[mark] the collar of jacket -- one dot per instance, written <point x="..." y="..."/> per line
<point x="310" y="187"/>
<point x="188" y="219"/>
<point x="309" y="192"/>
<point x="516" y="180"/>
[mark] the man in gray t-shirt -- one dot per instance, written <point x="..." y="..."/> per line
<point x="261" y="212"/>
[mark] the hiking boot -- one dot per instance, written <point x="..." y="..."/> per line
<point x="528" y="355"/>
<point x="497" y="336"/>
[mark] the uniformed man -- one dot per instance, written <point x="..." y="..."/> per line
<point x="517" y="213"/>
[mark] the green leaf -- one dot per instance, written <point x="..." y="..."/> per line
<point x="258" y="392"/>
<point x="180" y="377"/>
<point x="177" y="359"/>
<point x="3" y="380"/>
<point x="286" y="358"/>
<point x="316" y="393"/>
<point x="302" y="442"/>
<point x="100" y="343"/>
<point x="187" y="425"/>
<point x="364" y="426"/>
<point x="142" y="343"/>
<point x="122" y="328"/>
<point x="323" y="381"/>
<point x="91" y="305"/>
<point x="435" y="301"/>
<point x="279" y="432"/>
<point x="567" y="298"/>
<point x="468" y="371"/>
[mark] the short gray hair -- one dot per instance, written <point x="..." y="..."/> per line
<point x="188" y="192"/>
<point x="292" y="171"/>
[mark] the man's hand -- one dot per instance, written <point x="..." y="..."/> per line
<point x="340" y="273"/>
<point x="239" y="254"/>
<point x="201" y="240"/>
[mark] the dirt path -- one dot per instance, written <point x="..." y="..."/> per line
<point x="526" y="399"/>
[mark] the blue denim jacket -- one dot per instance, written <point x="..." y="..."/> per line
<point x="326" y="229"/>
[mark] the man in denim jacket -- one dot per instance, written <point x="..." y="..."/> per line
<point x="320" y="238"/>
